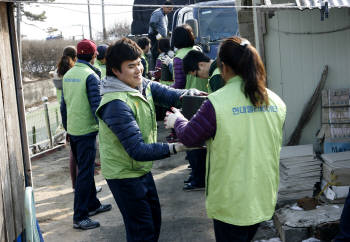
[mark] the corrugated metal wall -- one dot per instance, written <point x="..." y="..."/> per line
<point x="297" y="46"/>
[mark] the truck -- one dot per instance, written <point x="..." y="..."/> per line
<point x="210" y="22"/>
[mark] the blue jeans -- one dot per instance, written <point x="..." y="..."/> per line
<point x="344" y="232"/>
<point x="138" y="202"/>
<point x="84" y="152"/>
<point x="225" y="232"/>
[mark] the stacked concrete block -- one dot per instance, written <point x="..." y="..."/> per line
<point x="300" y="170"/>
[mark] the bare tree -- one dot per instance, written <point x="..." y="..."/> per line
<point x="119" y="30"/>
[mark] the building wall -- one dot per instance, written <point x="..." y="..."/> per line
<point x="297" y="47"/>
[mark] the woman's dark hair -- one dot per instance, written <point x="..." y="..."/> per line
<point x="122" y="50"/>
<point x="143" y="42"/>
<point x="183" y="36"/>
<point x="245" y="61"/>
<point x="191" y="60"/>
<point x="66" y="61"/>
<point x="164" y="45"/>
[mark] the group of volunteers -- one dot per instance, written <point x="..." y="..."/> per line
<point x="108" y="91"/>
<point x="104" y="93"/>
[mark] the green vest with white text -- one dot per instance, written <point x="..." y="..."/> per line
<point x="115" y="161"/>
<point x="80" y="120"/>
<point x="242" y="166"/>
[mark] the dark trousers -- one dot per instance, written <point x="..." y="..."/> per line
<point x="225" y="232"/>
<point x="84" y="152"/>
<point x="344" y="232"/>
<point x="196" y="158"/>
<point x="154" y="50"/>
<point x="138" y="202"/>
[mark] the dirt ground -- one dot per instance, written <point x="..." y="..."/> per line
<point x="183" y="213"/>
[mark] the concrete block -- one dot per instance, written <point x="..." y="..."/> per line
<point x="297" y="225"/>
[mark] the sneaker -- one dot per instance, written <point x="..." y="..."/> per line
<point x="98" y="188"/>
<point x="86" y="224"/>
<point x="189" y="187"/>
<point x="188" y="180"/>
<point x="101" y="209"/>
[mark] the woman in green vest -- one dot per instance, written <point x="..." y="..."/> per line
<point x="242" y="125"/>
<point x="128" y="138"/>
<point x="65" y="63"/>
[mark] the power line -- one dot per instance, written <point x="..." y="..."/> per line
<point x="277" y="6"/>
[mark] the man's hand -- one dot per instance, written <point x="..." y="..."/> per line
<point x="158" y="36"/>
<point x="170" y="118"/>
<point x="177" y="147"/>
<point x="194" y="92"/>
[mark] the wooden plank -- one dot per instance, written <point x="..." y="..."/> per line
<point x="3" y="153"/>
<point x="15" y="161"/>
<point x="7" y="211"/>
<point x="20" y="98"/>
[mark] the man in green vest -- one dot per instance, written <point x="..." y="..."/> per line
<point x="145" y="45"/>
<point x="128" y="138"/>
<point x="80" y="99"/>
<point x="198" y="64"/>
<point x="100" y="62"/>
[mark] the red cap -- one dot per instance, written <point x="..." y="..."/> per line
<point x="86" y="47"/>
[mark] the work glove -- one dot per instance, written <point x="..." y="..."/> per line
<point x="176" y="147"/>
<point x="166" y="60"/>
<point x="170" y="117"/>
<point x="194" y="92"/>
<point x="158" y="36"/>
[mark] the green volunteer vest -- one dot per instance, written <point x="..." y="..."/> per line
<point x="58" y="95"/>
<point x="216" y="72"/>
<point x="192" y="81"/>
<point x="143" y="56"/>
<point x="80" y="120"/>
<point x="242" y="167"/>
<point x="115" y="161"/>
<point x="167" y="83"/>
<point x="102" y="67"/>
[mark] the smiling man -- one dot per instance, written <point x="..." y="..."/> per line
<point x="128" y="138"/>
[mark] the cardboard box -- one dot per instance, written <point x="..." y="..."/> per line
<point x="334" y="115"/>
<point x="336" y="97"/>
<point x="336" y="145"/>
<point x="334" y="131"/>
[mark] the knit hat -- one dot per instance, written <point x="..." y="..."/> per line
<point x="86" y="47"/>
<point x="101" y="49"/>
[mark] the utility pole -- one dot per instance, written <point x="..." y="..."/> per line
<point x="19" y="41"/>
<point x="103" y="20"/>
<point x="88" y="1"/>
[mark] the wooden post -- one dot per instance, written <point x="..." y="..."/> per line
<point x="34" y="135"/>
<point x="57" y="119"/>
<point x="27" y="166"/>
<point x="47" y="120"/>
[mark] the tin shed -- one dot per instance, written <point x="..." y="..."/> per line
<point x="296" y="45"/>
